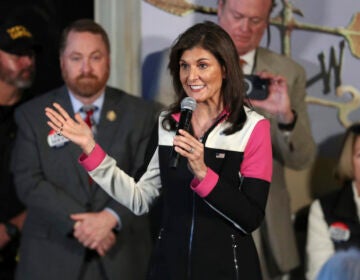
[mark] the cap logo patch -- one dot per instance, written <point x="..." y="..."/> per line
<point x="18" y="31"/>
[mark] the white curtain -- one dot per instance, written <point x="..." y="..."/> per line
<point x="121" y="20"/>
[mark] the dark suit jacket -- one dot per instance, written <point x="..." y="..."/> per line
<point x="296" y="151"/>
<point x="53" y="185"/>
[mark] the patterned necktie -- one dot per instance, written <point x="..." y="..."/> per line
<point x="242" y="62"/>
<point x="89" y="118"/>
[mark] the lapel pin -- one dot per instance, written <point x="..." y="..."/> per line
<point x="220" y="155"/>
<point x="111" y="116"/>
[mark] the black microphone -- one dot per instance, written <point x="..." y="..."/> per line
<point x="188" y="105"/>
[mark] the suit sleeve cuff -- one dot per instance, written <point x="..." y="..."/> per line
<point x="206" y="185"/>
<point x="288" y="127"/>
<point x="112" y="212"/>
<point x="93" y="160"/>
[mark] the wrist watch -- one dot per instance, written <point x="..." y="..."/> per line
<point x="289" y="126"/>
<point x="11" y="230"/>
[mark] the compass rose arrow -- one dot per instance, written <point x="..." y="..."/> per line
<point x="352" y="35"/>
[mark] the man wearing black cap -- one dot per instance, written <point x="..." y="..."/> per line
<point x="17" y="69"/>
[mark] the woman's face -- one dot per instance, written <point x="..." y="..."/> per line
<point x="201" y="75"/>
<point x="356" y="160"/>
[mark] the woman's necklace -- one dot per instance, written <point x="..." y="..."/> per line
<point x="200" y="127"/>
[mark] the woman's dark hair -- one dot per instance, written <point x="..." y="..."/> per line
<point x="213" y="38"/>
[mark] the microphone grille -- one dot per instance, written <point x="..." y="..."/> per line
<point x="188" y="103"/>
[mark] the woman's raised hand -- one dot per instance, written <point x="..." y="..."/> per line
<point x="76" y="130"/>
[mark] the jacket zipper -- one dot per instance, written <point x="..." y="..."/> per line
<point x="202" y="140"/>
<point x="191" y="236"/>
<point x="160" y="233"/>
<point x="234" y="250"/>
<point x="159" y="237"/>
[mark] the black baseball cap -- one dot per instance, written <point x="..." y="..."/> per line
<point x="16" y="38"/>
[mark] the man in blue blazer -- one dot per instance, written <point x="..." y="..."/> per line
<point x="74" y="230"/>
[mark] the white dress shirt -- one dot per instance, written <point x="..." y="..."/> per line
<point x="249" y="58"/>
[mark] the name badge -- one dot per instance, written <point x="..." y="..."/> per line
<point x="55" y="141"/>
<point x="339" y="232"/>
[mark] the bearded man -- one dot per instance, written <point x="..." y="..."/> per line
<point x="73" y="229"/>
<point x="17" y="70"/>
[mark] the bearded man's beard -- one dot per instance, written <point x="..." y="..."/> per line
<point x="87" y="85"/>
<point x="22" y="80"/>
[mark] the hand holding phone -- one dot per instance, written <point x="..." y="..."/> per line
<point x="256" y="87"/>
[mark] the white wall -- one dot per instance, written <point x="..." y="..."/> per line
<point x="160" y="28"/>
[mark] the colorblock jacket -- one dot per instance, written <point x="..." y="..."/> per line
<point x="206" y="225"/>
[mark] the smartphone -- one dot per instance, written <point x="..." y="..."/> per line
<point x="256" y="87"/>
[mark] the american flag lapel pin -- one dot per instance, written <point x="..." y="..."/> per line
<point x="220" y="155"/>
